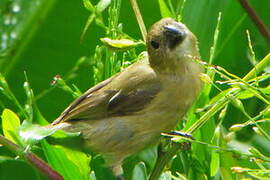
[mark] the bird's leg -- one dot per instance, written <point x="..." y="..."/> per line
<point x="117" y="170"/>
<point x="167" y="149"/>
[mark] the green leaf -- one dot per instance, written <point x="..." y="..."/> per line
<point x="120" y="44"/>
<point x="58" y="159"/>
<point x="149" y="156"/>
<point x="33" y="133"/>
<point x="214" y="166"/>
<point x="81" y="160"/>
<point x="88" y="5"/>
<point x="87" y="25"/>
<point x="139" y="172"/>
<point x="11" y="125"/>
<point x="102" y="5"/>
<point x="6" y="158"/>
<point x="164" y="10"/>
<point x="63" y="134"/>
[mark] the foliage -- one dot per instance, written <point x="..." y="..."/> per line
<point x="62" y="48"/>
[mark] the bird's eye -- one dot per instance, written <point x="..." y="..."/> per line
<point x="155" y="44"/>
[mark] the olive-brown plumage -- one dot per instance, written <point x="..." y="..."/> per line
<point x="127" y="112"/>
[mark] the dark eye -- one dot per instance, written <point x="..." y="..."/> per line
<point x="155" y="44"/>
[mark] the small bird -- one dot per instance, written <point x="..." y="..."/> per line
<point x="128" y="112"/>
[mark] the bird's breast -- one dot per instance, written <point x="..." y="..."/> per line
<point x="173" y="101"/>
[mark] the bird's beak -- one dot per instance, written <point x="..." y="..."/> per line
<point x="173" y="31"/>
<point x="174" y="34"/>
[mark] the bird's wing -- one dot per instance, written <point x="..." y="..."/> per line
<point x="123" y="94"/>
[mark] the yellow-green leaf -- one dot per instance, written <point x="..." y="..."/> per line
<point x="11" y="124"/>
<point x="164" y="10"/>
<point x="119" y="44"/>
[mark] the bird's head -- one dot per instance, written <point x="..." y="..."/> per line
<point x="170" y="43"/>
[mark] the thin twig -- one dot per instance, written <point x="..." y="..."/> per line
<point x="256" y="19"/>
<point x="139" y="18"/>
<point x="34" y="160"/>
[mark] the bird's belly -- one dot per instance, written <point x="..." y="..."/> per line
<point x="118" y="136"/>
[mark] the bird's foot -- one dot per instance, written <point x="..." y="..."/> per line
<point x="179" y="133"/>
<point x="184" y="146"/>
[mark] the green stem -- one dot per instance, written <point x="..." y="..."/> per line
<point x="10" y="145"/>
<point x="161" y="162"/>
<point x="139" y="18"/>
<point x="266" y="135"/>
<point x="206" y="116"/>
<point x="258" y="68"/>
<point x="31" y="158"/>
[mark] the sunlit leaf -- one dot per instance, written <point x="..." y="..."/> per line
<point x="119" y="44"/>
<point x="88" y="5"/>
<point x="102" y="5"/>
<point x="11" y="125"/>
<point x="81" y="160"/>
<point x="33" y="133"/>
<point x="58" y="159"/>
<point x="165" y="12"/>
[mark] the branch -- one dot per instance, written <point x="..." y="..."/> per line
<point x="34" y="160"/>
<point x="256" y="19"/>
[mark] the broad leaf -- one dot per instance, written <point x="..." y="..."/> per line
<point x="11" y="124"/>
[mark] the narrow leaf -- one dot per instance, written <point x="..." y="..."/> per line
<point x="164" y="10"/>
<point x="119" y="44"/>
<point x="88" y="5"/>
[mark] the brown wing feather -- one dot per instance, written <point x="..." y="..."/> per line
<point x="134" y="101"/>
<point x="84" y="102"/>
<point x="125" y="93"/>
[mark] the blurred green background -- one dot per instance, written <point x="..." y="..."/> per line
<point x="42" y="38"/>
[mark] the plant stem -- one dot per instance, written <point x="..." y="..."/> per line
<point x="139" y="18"/>
<point x="10" y="145"/>
<point x="31" y="158"/>
<point x="258" y="68"/>
<point x="256" y="19"/>
<point x="161" y="162"/>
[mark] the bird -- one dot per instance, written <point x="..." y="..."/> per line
<point x="127" y="113"/>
